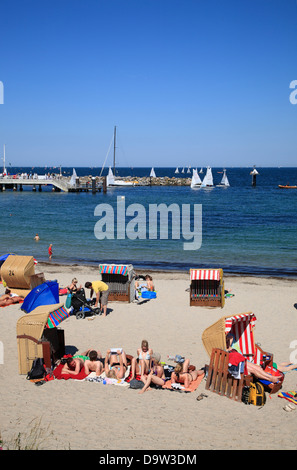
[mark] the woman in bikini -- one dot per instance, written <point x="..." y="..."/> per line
<point x="73" y="286"/>
<point x="156" y="375"/>
<point x="115" y="364"/>
<point x="141" y="364"/>
<point x="182" y="374"/>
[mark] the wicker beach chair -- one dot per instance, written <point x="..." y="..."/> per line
<point x="207" y="288"/>
<point x="219" y="380"/>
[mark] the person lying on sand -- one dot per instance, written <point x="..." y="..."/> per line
<point x="183" y="374"/>
<point x="93" y="364"/>
<point x="9" y="298"/>
<point x="73" y="366"/>
<point x="115" y="364"/>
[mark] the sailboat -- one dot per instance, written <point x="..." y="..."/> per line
<point x="224" y="182"/>
<point x="201" y="170"/>
<point x="110" y="179"/>
<point x="208" y="179"/>
<point x="196" y="181"/>
<point x="73" y="178"/>
<point x="152" y="173"/>
<point x="177" y="170"/>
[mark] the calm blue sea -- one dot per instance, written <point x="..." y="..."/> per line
<point x="245" y="229"/>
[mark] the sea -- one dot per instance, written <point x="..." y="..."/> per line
<point x="244" y="229"/>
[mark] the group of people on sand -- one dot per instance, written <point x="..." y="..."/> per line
<point x="147" y="365"/>
<point x="101" y="290"/>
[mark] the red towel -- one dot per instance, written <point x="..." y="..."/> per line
<point x="235" y="358"/>
<point x="58" y="374"/>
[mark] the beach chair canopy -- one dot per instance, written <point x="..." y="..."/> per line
<point x="42" y="317"/>
<point x="44" y="294"/>
<point x="123" y="269"/>
<point x="205" y="274"/>
<point x="242" y="328"/>
<point x="16" y="271"/>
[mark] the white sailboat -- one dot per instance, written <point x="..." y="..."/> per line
<point x="183" y="170"/>
<point x="152" y="173"/>
<point x="177" y="170"/>
<point x="224" y="182"/>
<point x="72" y="181"/>
<point x="201" y="170"/>
<point x="111" y="181"/>
<point x="208" y="179"/>
<point x="196" y="181"/>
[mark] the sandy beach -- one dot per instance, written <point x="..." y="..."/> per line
<point x="84" y="415"/>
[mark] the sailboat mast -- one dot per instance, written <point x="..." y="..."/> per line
<point x="114" y="148"/>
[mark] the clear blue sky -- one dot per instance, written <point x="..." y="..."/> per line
<point x="199" y="82"/>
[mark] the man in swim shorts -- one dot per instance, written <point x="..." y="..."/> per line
<point x="101" y="290"/>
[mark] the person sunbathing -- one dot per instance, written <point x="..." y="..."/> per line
<point x="115" y="363"/>
<point x="156" y="374"/>
<point x="9" y="298"/>
<point x="74" y="287"/>
<point x="73" y="366"/>
<point x="252" y="368"/>
<point x="93" y="363"/>
<point x="184" y="374"/>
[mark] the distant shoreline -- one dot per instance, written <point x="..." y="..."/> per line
<point x="184" y="272"/>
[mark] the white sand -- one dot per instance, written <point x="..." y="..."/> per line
<point x="83" y="415"/>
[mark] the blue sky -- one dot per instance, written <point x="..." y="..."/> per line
<point x="186" y="82"/>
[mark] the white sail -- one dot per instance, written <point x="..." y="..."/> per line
<point x="208" y="179"/>
<point x="201" y="170"/>
<point x="73" y="178"/>
<point x="110" y="178"/>
<point x="183" y="170"/>
<point x="196" y="181"/>
<point x="225" y="181"/>
<point x="111" y="181"/>
<point x="152" y="173"/>
<point x="176" y="171"/>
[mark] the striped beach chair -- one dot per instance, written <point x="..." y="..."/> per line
<point x="207" y="287"/>
<point x="241" y="326"/>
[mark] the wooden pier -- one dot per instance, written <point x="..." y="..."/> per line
<point x="58" y="185"/>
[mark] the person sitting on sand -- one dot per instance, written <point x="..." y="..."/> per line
<point x="156" y="374"/>
<point x="141" y="286"/>
<point x="115" y="363"/>
<point x="184" y="374"/>
<point x="73" y="366"/>
<point x="143" y="360"/>
<point x="10" y="298"/>
<point x="74" y="287"/>
<point x="93" y="364"/>
<point x="252" y="368"/>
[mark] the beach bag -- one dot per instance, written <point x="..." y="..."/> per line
<point x="37" y="370"/>
<point x="68" y="301"/>
<point x="257" y="394"/>
<point x="134" y="383"/>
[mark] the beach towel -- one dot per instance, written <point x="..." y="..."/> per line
<point x="15" y="303"/>
<point x="290" y="396"/>
<point x="180" y="387"/>
<point x="57" y="372"/>
<point x="105" y="380"/>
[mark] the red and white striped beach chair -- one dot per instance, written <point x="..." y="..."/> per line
<point x="219" y="379"/>
<point x="207" y="287"/>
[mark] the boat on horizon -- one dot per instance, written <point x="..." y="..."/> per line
<point x="224" y="182"/>
<point x="208" y="179"/>
<point x="196" y="181"/>
<point x="286" y="186"/>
